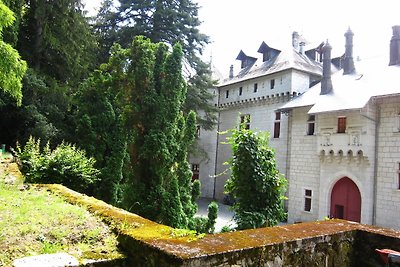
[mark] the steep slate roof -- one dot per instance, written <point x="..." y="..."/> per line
<point x="373" y="78"/>
<point x="286" y="59"/>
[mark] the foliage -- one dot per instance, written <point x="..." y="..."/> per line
<point x="12" y="68"/>
<point x="65" y="165"/>
<point x="56" y="40"/>
<point x="206" y="224"/>
<point x="154" y="92"/>
<point x="100" y="127"/>
<point x="255" y="181"/>
<point x="169" y="22"/>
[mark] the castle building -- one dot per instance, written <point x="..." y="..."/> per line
<point x="334" y="125"/>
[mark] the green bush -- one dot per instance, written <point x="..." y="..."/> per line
<point x="65" y="165"/>
<point x="206" y="224"/>
<point x="255" y="183"/>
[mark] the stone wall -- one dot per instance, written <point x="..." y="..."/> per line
<point x="326" y="243"/>
<point x="388" y="192"/>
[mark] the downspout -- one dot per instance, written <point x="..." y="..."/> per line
<point x="375" y="181"/>
<point x="377" y="122"/>
<point x="288" y="155"/>
<point x="217" y="146"/>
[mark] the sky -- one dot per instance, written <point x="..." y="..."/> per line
<point x="235" y="25"/>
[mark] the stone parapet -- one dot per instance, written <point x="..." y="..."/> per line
<point x="321" y="243"/>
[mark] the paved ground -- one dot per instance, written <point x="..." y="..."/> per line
<point x="225" y="216"/>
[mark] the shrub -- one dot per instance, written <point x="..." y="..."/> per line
<point x="255" y="182"/>
<point x="65" y="165"/>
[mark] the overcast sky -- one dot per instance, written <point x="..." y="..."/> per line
<point x="234" y="25"/>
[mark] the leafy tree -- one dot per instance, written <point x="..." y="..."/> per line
<point x="164" y="21"/>
<point x="12" y="68"/>
<point x="255" y="182"/>
<point x="55" y="39"/>
<point x="10" y="34"/>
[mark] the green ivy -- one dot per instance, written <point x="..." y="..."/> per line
<point x="255" y="181"/>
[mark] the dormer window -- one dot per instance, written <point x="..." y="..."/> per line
<point x="247" y="61"/>
<point x="267" y="51"/>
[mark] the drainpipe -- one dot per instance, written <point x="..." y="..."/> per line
<point x="375" y="181"/>
<point x="377" y="123"/>
<point x="217" y="145"/>
<point x="288" y="155"/>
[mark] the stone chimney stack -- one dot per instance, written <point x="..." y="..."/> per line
<point x="395" y="46"/>
<point x="231" y="72"/>
<point x="295" y="40"/>
<point x="348" y="64"/>
<point x="326" y="83"/>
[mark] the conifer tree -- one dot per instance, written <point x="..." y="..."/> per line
<point x="170" y="22"/>
<point x="162" y="135"/>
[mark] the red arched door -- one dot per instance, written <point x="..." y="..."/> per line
<point x="346" y="200"/>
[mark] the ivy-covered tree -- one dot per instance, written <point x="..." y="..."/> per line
<point x="165" y="21"/>
<point x="255" y="181"/>
<point x="12" y="67"/>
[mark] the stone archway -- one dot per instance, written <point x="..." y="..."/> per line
<point x="346" y="200"/>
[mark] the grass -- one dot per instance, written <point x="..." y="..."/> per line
<point x="35" y="221"/>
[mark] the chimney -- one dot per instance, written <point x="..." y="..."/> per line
<point x="295" y="40"/>
<point x="348" y="65"/>
<point x="301" y="49"/>
<point x="395" y="46"/>
<point x="326" y="83"/>
<point x="231" y="72"/>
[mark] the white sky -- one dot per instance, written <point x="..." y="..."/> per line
<point x="236" y="24"/>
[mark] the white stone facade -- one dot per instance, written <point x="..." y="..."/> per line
<point x="351" y="133"/>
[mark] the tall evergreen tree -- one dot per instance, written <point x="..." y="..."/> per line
<point x="166" y="21"/>
<point x="162" y="134"/>
<point x="56" y="39"/>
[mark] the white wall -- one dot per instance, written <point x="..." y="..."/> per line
<point x="388" y="194"/>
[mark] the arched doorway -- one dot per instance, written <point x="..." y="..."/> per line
<point x="346" y="200"/>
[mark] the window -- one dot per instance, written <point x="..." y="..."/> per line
<point x="398" y="175"/>
<point x="311" y="125"/>
<point x="307" y="199"/>
<point x="240" y="90"/>
<point x="245" y="121"/>
<point x="227" y="94"/>
<point x="277" y="125"/>
<point x="341" y="125"/>
<point x="198" y="130"/>
<point x="255" y="87"/>
<point x="195" y="171"/>
<point x="272" y="84"/>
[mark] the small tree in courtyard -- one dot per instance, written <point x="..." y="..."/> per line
<point x="255" y="181"/>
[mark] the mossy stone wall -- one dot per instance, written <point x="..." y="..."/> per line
<point x="332" y="243"/>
